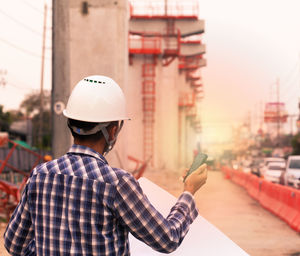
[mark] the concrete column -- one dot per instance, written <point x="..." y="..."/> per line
<point x="61" y="138"/>
<point x="99" y="46"/>
<point x="135" y="108"/>
<point x="166" y="132"/>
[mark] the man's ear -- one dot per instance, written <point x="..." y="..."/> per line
<point x="112" y="131"/>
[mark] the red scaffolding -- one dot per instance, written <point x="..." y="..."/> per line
<point x="157" y="9"/>
<point x="167" y="44"/>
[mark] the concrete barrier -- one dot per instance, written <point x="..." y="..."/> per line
<point x="254" y="187"/>
<point x="270" y="196"/>
<point x="295" y="223"/>
<point x="287" y="197"/>
<point x="281" y="200"/>
<point x="245" y="179"/>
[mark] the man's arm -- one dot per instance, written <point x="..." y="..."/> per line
<point x="146" y="223"/>
<point x="19" y="232"/>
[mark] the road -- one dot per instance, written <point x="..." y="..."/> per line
<point x="229" y="208"/>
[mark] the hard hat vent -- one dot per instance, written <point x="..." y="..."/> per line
<point x="93" y="81"/>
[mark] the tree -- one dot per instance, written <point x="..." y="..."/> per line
<point x="6" y="118"/>
<point x="31" y="103"/>
<point x="31" y="106"/>
<point x="296" y="144"/>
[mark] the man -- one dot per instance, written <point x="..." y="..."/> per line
<point x="79" y="205"/>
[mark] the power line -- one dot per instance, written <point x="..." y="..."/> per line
<point x="21" y="49"/>
<point x="33" y="7"/>
<point x="40" y="11"/>
<point x="20" y="23"/>
<point x="290" y="81"/>
<point x="290" y="87"/>
<point x="21" y="88"/>
<point x="291" y="72"/>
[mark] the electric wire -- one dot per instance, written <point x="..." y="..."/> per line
<point x="291" y="72"/>
<point x="20" y="88"/>
<point x="38" y="10"/>
<point x="20" y="23"/>
<point x="291" y="88"/>
<point x="33" y="7"/>
<point x="22" y="49"/>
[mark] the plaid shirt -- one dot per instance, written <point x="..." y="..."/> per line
<point x="79" y="205"/>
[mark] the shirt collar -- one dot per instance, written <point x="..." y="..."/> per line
<point x="80" y="149"/>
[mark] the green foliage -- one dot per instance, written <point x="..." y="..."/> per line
<point x="6" y="118"/>
<point x="296" y="144"/>
<point x="46" y="130"/>
<point x="31" y="103"/>
<point x="31" y="106"/>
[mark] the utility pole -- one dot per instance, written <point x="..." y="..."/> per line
<point x="166" y="7"/>
<point x="61" y="138"/>
<point x="40" y="135"/>
<point x="278" y="111"/>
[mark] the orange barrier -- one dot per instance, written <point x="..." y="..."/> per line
<point x="295" y="223"/>
<point x="240" y="177"/>
<point x="276" y="192"/>
<point x="289" y="210"/>
<point x="282" y="201"/>
<point x="253" y="187"/>
<point x="245" y="179"/>
<point x="226" y="171"/>
<point x="270" y="196"/>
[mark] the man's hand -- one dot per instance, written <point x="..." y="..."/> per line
<point x="196" y="179"/>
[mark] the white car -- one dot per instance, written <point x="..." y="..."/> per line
<point x="292" y="173"/>
<point x="267" y="160"/>
<point x="274" y="171"/>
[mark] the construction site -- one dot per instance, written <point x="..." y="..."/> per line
<point x="156" y="52"/>
<point x="157" y="58"/>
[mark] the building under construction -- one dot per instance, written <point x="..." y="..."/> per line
<point x="154" y="51"/>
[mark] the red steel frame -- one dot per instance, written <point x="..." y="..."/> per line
<point x="145" y="43"/>
<point x="149" y="100"/>
<point x="8" y="189"/>
<point x="156" y="10"/>
<point x="150" y="45"/>
<point x="140" y="167"/>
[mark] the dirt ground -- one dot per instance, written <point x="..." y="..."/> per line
<point x="229" y="208"/>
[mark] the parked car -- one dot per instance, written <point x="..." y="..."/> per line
<point x="267" y="160"/>
<point x="274" y="171"/>
<point x="292" y="173"/>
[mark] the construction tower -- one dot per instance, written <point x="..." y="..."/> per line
<point x="165" y="45"/>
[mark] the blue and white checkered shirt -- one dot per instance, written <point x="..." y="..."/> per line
<point x="79" y="205"/>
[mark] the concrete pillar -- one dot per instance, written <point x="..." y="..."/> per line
<point x="135" y="108"/>
<point x="99" y="46"/>
<point x="166" y="132"/>
<point x="61" y="138"/>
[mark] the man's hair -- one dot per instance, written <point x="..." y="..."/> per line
<point x="84" y="126"/>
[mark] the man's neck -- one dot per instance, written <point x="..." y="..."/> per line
<point x="98" y="146"/>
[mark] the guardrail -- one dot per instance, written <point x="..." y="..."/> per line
<point x="281" y="200"/>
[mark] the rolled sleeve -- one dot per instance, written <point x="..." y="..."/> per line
<point x="146" y="223"/>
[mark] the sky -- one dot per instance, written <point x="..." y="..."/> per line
<point x="249" y="45"/>
<point x="21" y="36"/>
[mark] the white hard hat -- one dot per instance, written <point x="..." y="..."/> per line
<point x="96" y="99"/>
